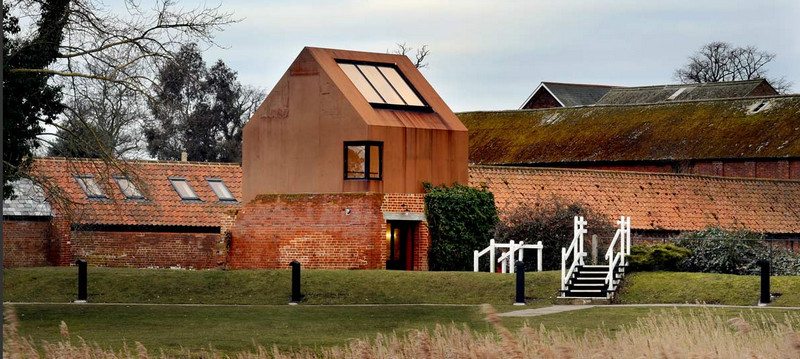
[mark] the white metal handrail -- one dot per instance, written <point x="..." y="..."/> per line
<point x="617" y="258"/>
<point x="506" y="258"/>
<point x="575" y="250"/>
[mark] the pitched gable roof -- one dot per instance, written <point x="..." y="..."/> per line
<point x="684" y="92"/>
<point x="739" y="128"/>
<point x="654" y="201"/>
<point x="570" y="95"/>
<point x="161" y="206"/>
<point x="439" y="116"/>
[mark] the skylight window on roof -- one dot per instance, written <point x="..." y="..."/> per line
<point x="382" y="85"/>
<point x="90" y="186"/>
<point x="184" y="189"/>
<point x="221" y="190"/>
<point x="128" y="189"/>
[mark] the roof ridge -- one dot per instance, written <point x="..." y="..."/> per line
<point x="581" y="84"/>
<point x="633" y="173"/>
<point x="705" y="84"/>
<point x="140" y="161"/>
<point x="665" y="103"/>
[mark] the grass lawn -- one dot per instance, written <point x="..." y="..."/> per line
<point x="232" y="329"/>
<point x="676" y="287"/>
<point x="613" y="318"/>
<point x="120" y="285"/>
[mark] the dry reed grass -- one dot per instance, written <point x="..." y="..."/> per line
<point x="668" y="334"/>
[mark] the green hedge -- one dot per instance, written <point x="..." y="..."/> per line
<point x="658" y="257"/>
<point x="461" y="219"/>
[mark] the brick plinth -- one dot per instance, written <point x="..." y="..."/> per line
<point x="332" y="231"/>
<point x="318" y="230"/>
<point x="25" y="243"/>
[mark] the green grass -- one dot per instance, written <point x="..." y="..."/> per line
<point x="612" y="319"/>
<point x="232" y="329"/>
<point x="677" y="287"/>
<point x="118" y="285"/>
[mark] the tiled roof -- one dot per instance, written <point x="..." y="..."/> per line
<point x="576" y="94"/>
<point x="654" y="201"/>
<point x="740" y="128"/>
<point x="162" y="204"/>
<point x="28" y="201"/>
<point x="664" y="93"/>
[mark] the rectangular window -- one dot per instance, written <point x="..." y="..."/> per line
<point x="363" y="160"/>
<point x="128" y="189"/>
<point x="382" y="85"/>
<point x="184" y="189"/>
<point x="90" y="186"/>
<point x="220" y="190"/>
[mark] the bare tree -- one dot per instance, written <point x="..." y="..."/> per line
<point x="720" y="61"/>
<point x="420" y="55"/>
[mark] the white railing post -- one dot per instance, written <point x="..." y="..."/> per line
<point x="538" y="256"/>
<point x="521" y="250"/>
<point x="510" y="257"/>
<point x="492" y="257"/>
<point x="475" y="258"/>
<point x="563" y="268"/>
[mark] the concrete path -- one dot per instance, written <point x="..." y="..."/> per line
<point x="566" y="308"/>
<point x="545" y="310"/>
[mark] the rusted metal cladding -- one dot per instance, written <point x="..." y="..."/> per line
<point x="294" y="143"/>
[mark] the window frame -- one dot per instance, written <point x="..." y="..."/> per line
<point x="122" y="190"/>
<point x="80" y="179"/>
<point x="220" y="180"/>
<point x="184" y="179"/>
<point x="425" y="106"/>
<point x="367" y="160"/>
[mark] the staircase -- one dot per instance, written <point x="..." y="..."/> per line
<point x="581" y="280"/>
<point x="589" y="281"/>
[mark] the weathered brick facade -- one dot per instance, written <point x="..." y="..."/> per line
<point x="147" y="249"/>
<point x="342" y="231"/>
<point x="25" y="242"/>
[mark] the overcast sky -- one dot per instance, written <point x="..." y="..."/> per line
<point x="489" y="55"/>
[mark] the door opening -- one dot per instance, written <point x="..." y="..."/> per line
<point x="400" y="238"/>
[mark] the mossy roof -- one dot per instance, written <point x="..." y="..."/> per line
<point x="711" y="129"/>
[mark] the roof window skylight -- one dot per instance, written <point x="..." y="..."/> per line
<point x="184" y="189"/>
<point x="90" y="186"/>
<point x="382" y="85"/>
<point x="128" y="189"/>
<point x="221" y="190"/>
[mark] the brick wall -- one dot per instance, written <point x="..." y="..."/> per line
<point x="314" y="229"/>
<point x="146" y="249"/>
<point x="25" y="243"/>
<point x="412" y="203"/>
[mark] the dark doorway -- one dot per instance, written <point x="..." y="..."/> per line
<point x="400" y="235"/>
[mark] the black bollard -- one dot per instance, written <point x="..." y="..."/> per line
<point x="83" y="292"/>
<point x="296" y="296"/>
<point x="520" y="269"/>
<point x="765" y="295"/>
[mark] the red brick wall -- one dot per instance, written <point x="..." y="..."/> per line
<point x="314" y="229"/>
<point x="25" y="243"/>
<point x="146" y="249"/>
<point x="412" y="203"/>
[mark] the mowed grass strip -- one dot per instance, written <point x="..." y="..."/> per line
<point x="709" y="288"/>
<point x="121" y="285"/>
<point x="232" y="329"/>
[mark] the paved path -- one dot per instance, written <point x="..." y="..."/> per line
<point x="545" y="310"/>
<point x="566" y="308"/>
